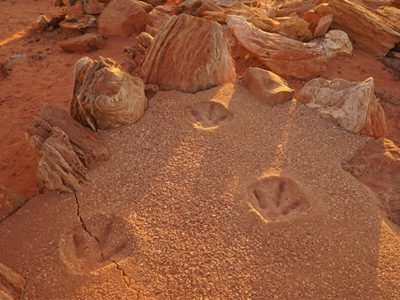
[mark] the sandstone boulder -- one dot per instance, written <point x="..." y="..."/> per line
<point x="138" y="50"/>
<point x="83" y="43"/>
<point x="352" y="105"/>
<point x="286" y="56"/>
<point x="93" y="7"/>
<point x="104" y="96"/>
<point x="369" y="30"/>
<point x="267" y="86"/>
<point x="12" y="285"/>
<point x="124" y="17"/>
<point x="322" y="26"/>
<point x="189" y="54"/>
<point x="41" y="24"/>
<point x="293" y="27"/>
<point x="59" y="167"/>
<point x="9" y="202"/>
<point x="377" y="165"/>
<point x="78" y="23"/>
<point x="85" y="143"/>
<point x="158" y="18"/>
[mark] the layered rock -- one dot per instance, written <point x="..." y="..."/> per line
<point x="83" y="43"/>
<point x="124" y="17"/>
<point x="369" y="30"/>
<point x="78" y="23"/>
<point x="12" y="285"/>
<point x="352" y="105"/>
<point x="59" y="168"/>
<point x="85" y="143"/>
<point x="65" y="150"/>
<point x="138" y="50"/>
<point x="267" y="86"/>
<point x="377" y="165"/>
<point x="104" y="96"/>
<point x="189" y="54"/>
<point x="286" y="56"/>
<point x="9" y="202"/>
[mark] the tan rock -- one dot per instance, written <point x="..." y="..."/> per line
<point x="41" y="24"/>
<point x="189" y="54"/>
<point x="70" y="8"/>
<point x="286" y="56"/>
<point x="59" y="167"/>
<point x="85" y="143"/>
<point x="267" y="86"/>
<point x="377" y="165"/>
<point x="296" y="6"/>
<point x="9" y="202"/>
<point x="83" y="43"/>
<point x="294" y="27"/>
<point x="123" y="18"/>
<point x="363" y="25"/>
<point x="104" y="96"/>
<point x="352" y="105"/>
<point x="12" y="285"/>
<point x="78" y="23"/>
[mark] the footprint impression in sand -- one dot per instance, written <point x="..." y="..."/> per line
<point x="83" y="251"/>
<point x="278" y="198"/>
<point x="207" y="114"/>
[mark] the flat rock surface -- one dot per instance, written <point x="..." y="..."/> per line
<point x="185" y="212"/>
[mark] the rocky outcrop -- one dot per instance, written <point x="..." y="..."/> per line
<point x="85" y="143"/>
<point x="104" y="96"/>
<point x="352" y="105"/>
<point x="267" y="86"/>
<point x="59" y="168"/>
<point x="293" y="27"/>
<point x="9" y="202"/>
<point x="362" y="25"/>
<point x="286" y="56"/>
<point x="83" y="43"/>
<point x="124" y="17"/>
<point x="12" y="285"/>
<point x="377" y="165"/>
<point x="78" y="23"/>
<point x="189" y="54"/>
<point x="138" y="50"/>
<point x="65" y="150"/>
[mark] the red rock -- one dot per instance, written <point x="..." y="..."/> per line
<point x="123" y="18"/>
<point x="377" y="165"/>
<point x="78" y="23"/>
<point x="9" y="202"/>
<point x="85" y="143"/>
<point x="189" y="54"/>
<point x="323" y="26"/>
<point x="286" y="56"/>
<point x="83" y="43"/>
<point x="267" y="86"/>
<point x="12" y="284"/>
<point x="369" y="30"/>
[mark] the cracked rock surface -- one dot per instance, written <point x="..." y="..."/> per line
<point x="187" y="212"/>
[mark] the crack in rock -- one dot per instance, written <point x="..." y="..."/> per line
<point x="125" y="278"/>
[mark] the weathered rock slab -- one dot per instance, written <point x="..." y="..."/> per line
<point x="267" y="86"/>
<point x="104" y="96"/>
<point x="352" y="105"/>
<point x="189" y="54"/>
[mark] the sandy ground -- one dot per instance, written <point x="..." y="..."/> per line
<point x="179" y="211"/>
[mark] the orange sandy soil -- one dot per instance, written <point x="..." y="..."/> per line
<point x="172" y="214"/>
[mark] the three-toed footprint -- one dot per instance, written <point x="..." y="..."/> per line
<point x="84" y="250"/>
<point x="207" y="114"/>
<point x="278" y="198"/>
